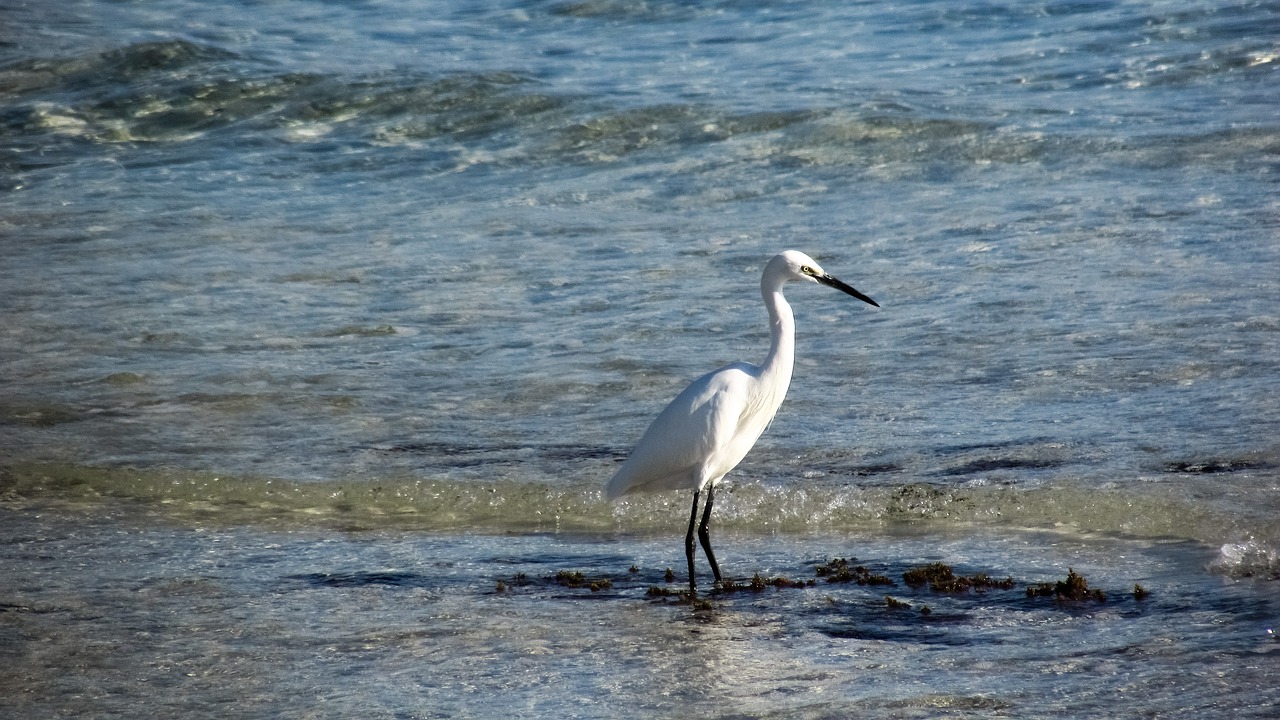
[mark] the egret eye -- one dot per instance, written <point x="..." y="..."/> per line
<point x="807" y="270"/>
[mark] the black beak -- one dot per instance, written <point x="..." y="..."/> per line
<point x="839" y="284"/>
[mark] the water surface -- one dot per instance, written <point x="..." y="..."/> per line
<point x="321" y="319"/>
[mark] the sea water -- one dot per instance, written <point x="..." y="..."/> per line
<point x="323" y="324"/>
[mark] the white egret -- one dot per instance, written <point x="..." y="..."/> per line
<point x="707" y="430"/>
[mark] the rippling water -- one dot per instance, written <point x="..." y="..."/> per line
<point x="383" y="292"/>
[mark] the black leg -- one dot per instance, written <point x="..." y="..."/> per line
<point x="688" y="543"/>
<point x="704" y="533"/>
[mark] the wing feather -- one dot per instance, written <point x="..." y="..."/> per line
<point x="683" y="446"/>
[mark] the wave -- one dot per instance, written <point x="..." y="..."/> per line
<point x="1250" y="541"/>
<point x="177" y="92"/>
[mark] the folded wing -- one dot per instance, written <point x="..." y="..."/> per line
<point x="691" y="441"/>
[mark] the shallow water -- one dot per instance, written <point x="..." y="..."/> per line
<point x="148" y="618"/>
<point x="318" y="320"/>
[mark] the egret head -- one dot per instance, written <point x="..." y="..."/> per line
<point x="795" y="265"/>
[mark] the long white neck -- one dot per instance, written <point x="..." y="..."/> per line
<point x="776" y="370"/>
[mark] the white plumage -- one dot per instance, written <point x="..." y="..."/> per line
<point x="710" y="426"/>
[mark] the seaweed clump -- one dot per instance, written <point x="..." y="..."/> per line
<point x="679" y="597"/>
<point x="758" y="583"/>
<point x="840" y="571"/>
<point x="505" y="586"/>
<point x="942" y="579"/>
<point x="894" y="603"/>
<point x="1075" y="588"/>
<point x="576" y="579"/>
